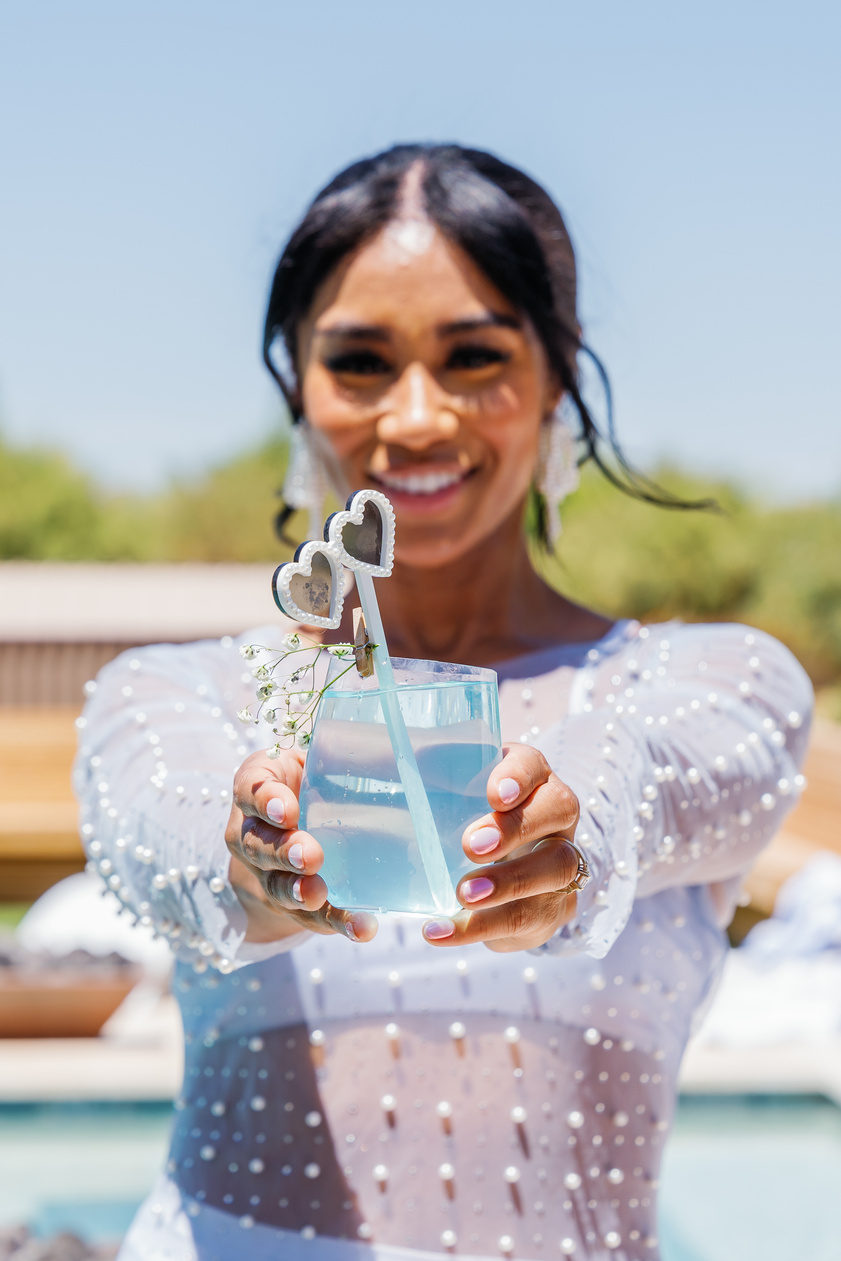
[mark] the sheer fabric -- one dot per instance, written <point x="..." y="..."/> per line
<point x="342" y="1099"/>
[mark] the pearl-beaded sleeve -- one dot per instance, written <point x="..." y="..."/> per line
<point x="683" y="744"/>
<point x="159" y="745"/>
<point x="685" y="756"/>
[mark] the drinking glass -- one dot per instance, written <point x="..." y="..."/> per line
<point x="352" y="798"/>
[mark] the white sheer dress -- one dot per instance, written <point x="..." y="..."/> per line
<point x="394" y="1099"/>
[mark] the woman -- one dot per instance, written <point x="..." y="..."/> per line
<point x="347" y="1089"/>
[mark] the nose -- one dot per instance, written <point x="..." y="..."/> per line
<point x="418" y="413"/>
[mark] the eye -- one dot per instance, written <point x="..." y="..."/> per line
<point x="358" y="363"/>
<point x="465" y="358"/>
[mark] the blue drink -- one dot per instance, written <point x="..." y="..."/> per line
<point x="352" y="800"/>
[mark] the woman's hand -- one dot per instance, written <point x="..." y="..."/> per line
<point x="517" y="902"/>
<point x="274" y="866"/>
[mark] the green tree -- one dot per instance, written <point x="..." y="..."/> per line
<point x="227" y="514"/>
<point x="778" y="569"/>
<point x="48" y="510"/>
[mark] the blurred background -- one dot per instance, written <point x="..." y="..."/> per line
<point x="154" y="156"/>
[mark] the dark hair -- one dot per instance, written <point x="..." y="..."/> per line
<point x="511" y="229"/>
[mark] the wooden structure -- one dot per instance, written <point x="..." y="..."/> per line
<point x="60" y="1003"/>
<point x="59" y="624"/>
<point x="813" y="826"/>
<point x="39" y="839"/>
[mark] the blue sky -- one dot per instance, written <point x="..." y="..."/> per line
<point x="154" y="155"/>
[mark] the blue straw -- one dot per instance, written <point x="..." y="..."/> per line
<point x="420" y="811"/>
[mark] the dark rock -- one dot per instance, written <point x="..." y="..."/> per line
<point x="63" y="1247"/>
<point x="17" y="1244"/>
<point x="11" y="1239"/>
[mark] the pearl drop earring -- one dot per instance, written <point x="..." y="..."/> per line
<point x="557" y="466"/>
<point x="305" y="484"/>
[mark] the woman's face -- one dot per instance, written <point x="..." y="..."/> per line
<point x="427" y="385"/>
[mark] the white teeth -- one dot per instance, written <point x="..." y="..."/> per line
<point x="421" y="483"/>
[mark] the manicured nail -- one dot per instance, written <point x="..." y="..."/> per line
<point x="483" y="840"/>
<point x="509" y="790"/>
<point x="296" y="890"/>
<point x="295" y="854"/>
<point x="475" y="890"/>
<point x="437" y="929"/>
<point x="276" y="810"/>
<point x="362" y="922"/>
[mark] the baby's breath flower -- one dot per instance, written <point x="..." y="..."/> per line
<point x="297" y="694"/>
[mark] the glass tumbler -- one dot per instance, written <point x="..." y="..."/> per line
<point x="352" y="798"/>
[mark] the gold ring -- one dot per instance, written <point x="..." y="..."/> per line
<point x="582" y="876"/>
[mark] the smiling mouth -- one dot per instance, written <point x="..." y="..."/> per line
<point x="429" y="483"/>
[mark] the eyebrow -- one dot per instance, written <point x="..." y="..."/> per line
<point x="378" y="332"/>
<point x="494" y="319"/>
<point x="361" y="332"/>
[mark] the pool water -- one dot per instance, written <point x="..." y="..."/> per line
<point x="745" y="1179"/>
<point x="79" y="1167"/>
<point x="753" y="1179"/>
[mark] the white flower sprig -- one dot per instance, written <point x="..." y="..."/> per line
<point x="290" y="706"/>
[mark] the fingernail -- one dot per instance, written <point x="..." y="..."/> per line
<point x="361" y="923"/>
<point x="474" y="890"/>
<point x="276" y="810"/>
<point x="483" y="840"/>
<point x="436" y="929"/>
<point x="295" y="854"/>
<point x="296" y="890"/>
<point x="509" y="790"/>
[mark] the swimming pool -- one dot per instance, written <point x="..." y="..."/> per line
<point x="753" y="1178"/>
<point x="744" y="1178"/>
<point x="80" y="1167"/>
